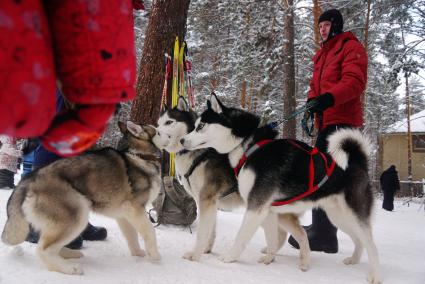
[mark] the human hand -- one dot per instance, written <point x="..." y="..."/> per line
<point x="320" y="103"/>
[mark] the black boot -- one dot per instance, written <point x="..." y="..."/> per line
<point x="321" y="234"/>
<point x="93" y="233"/>
<point x="34" y="236"/>
<point x="6" y="179"/>
<point x="76" y="244"/>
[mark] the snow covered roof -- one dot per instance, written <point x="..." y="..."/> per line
<point x="417" y="124"/>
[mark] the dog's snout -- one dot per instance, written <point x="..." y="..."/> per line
<point x="182" y="141"/>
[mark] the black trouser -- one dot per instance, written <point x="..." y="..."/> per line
<point x="388" y="203"/>
<point x="7" y="178"/>
<point x="320" y="220"/>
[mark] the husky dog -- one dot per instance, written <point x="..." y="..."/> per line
<point x="56" y="199"/>
<point x="208" y="177"/>
<point x="280" y="170"/>
<point x="205" y="174"/>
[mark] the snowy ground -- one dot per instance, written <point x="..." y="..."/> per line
<point x="400" y="237"/>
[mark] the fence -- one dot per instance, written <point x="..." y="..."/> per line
<point x="418" y="188"/>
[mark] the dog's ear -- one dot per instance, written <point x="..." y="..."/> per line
<point x="150" y="130"/>
<point x="122" y="126"/>
<point x="182" y="104"/>
<point x="134" y="129"/>
<point x="163" y="110"/>
<point x="215" y="104"/>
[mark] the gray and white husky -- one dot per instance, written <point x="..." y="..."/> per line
<point x="56" y="199"/>
<point x="279" y="170"/>
<point x="209" y="178"/>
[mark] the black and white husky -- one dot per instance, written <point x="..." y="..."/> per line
<point x="198" y="171"/>
<point x="279" y="170"/>
<point x="209" y="178"/>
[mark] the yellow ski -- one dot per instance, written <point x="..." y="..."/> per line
<point x="174" y="91"/>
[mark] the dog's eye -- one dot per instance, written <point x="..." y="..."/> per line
<point x="200" y="126"/>
<point x="168" y="122"/>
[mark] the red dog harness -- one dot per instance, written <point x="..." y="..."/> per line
<point x="311" y="187"/>
<point x="248" y="153"/>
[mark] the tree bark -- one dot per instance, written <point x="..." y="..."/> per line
<point x="167" y="20"/>
<point x="289" y="102"/>
<point x="316" y="14"/>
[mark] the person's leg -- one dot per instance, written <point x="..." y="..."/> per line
<point x="322" y="234"/>
<point x="6" y="179"/>
<point x="94" y="233"/>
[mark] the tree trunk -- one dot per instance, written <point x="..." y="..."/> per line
<point x="289" y="102"/>
<point x="243" y="94"/>
<point x="316" y="14"/>
<point x="167" y="20"/>
<point x="366" y="45"/>
<point x="409" y="134"/>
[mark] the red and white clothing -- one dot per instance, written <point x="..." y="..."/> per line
<point x="9" y="153"/>
<point x="87" y="45"/>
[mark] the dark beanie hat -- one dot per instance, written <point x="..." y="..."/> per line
<point x="335" y="17"/>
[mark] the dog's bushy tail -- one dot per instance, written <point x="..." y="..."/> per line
<point x="349" y="147"/>
<point x="17" y="227"/>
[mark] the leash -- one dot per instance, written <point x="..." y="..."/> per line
<point x="308" y="116"/>
<point x="303" y="109"/>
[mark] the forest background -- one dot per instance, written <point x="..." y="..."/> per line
<point x="256" y="54"/>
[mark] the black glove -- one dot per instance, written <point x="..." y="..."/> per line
<point x="320" y="103"/>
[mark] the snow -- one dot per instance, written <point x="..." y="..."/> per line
<point x="399" y="236"/>
<point x="417" y="124"/>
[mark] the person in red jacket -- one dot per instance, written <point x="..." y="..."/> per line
<point x="88" y="46"/>
<point x="336" y="88"/>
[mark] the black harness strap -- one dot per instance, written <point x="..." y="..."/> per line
<point x="198" y="160"/>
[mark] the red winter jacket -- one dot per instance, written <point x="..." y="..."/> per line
<point x="87" y="45"/>
<point x="340" y="68"/>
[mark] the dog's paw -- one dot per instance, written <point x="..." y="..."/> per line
<point x="208" y="250"/>
<point x="154" y="257"/>
<point x="138" y="252"/>
<point x="227" y="258"/>
<point x="304" y="265"/>
<point x="264" y="250"/>
<point x="266" y="259"/>
<point x="70" y="253"/>
<point x="192" y="256"/>
<point x="76" y="269"/>
<point x="350" y="260"/>
<point x="373" y="278"/>
<point x="72" y="269"/>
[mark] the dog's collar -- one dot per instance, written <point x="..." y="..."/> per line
<point x="248" y="153"/>
<point x="182" y="152"/>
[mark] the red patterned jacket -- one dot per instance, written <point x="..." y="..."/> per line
<point x="87" y="45"/>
